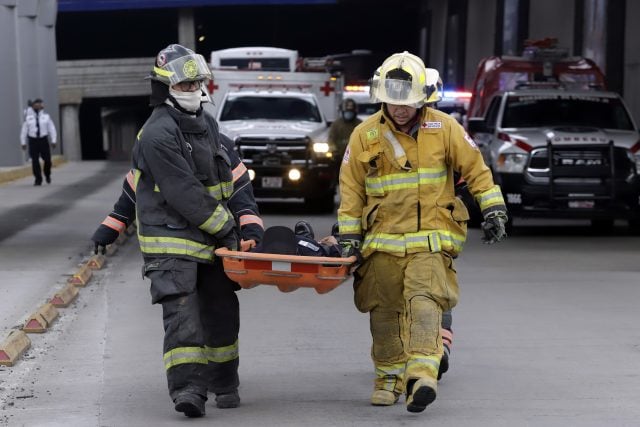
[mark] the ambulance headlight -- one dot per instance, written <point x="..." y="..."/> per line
<point x="294" y="174"/>
<point x="320" y="147"/>
<point x="252" y="174"/>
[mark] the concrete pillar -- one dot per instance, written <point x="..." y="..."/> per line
<point x="11" y="105"/>
<point x="631" y="91"/>
<point x="511" y="27"/>
<point x="186" y="28"/>
<point x="595" y="32"/>
<point x="438" y="34"/>
<point x="552" y="18"/>
<point x="70" y="131"/>
<point x="29" y="65"/>
<point x="481" y="36"/>
<point x="48" y="70"/>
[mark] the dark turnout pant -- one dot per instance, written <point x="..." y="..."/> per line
<point x="201" y="323"/>
<point x="39" y="148"/>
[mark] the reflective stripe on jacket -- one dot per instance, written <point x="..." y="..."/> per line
<point x="398" y="192"/>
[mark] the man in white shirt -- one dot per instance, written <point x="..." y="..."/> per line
<point x="38" y="130"/>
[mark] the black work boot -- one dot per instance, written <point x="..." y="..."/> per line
<point x="420" y="394"/>
<point x="444" y="362"/>
<point x="228" y="400"/>
<point x="304" y="229"/>
<point x="335" y="231"/>
<point x="192" y="405"/>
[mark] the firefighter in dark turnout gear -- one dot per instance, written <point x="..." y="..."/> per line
<point x="241" y="203"/>
<point x="184" y="187"/>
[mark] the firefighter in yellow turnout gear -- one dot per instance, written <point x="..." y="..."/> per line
<point x="399" y="212"/>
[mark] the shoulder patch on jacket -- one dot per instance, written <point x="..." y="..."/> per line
<point x="372" y="134"/>
<point x="347" y="154"/>
<point x="470" y="140"/>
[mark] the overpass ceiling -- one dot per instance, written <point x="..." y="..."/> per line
<point x="96" y="5"/>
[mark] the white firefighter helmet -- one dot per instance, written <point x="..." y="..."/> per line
<point x="400" y="80"/>
<point x="433" y="87"/>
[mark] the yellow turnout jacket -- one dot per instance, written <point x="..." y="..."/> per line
<point x="397" y="192"/>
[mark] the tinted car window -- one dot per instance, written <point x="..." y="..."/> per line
<point x="270" y="108"/>
<point x="563" y="110"/>
<point x="492" y="112"/>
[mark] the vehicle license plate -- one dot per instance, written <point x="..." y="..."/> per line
<point x="582" y="204"/>
<point x="271" y="182"/>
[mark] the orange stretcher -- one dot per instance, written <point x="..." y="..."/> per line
<point x="287" y="272"/>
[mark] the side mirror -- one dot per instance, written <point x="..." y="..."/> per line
<point x="477" y="125"/>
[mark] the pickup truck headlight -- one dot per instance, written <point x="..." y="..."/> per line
<point x="320" y="147"/>
<point x="511" y="162"/>
<point x="637" y="156"/>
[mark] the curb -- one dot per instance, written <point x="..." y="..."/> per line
<point x="16" y="343"/>
<point x="96" y="262"/>
<point x="82" y="276"/>
<point x="24" y="171"/>
<point x="40" y="320"/>
<point x="64" y="297"/>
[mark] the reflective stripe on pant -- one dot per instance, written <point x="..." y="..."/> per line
<point x="201" y="322"/>
<point x="221" y="322"/>
<point x="405" y="297"/>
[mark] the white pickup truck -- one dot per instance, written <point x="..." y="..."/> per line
<point x="558" y="153"/>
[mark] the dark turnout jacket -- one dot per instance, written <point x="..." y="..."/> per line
<point x="191" y="187"/>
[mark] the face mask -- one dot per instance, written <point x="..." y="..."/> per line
<point x="190" y="101"/>
<point x="348" y="115"/>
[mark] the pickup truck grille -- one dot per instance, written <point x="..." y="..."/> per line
<point x="273" y="152"/>
<point x="579" y="164"/>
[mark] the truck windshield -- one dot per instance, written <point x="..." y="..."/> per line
<point x="533" y="110"/>
<point x="270" y="108"/>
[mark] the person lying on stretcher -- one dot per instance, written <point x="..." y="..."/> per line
<point x="299" y="241"/>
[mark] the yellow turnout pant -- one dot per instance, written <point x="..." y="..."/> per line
<point x="405" y="297"/>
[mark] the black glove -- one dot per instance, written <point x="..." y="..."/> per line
<point x="351" y="247"/>
<point x="102" y="237"/>
<point x="230" y="240"/>
<point x="493" y="227"/>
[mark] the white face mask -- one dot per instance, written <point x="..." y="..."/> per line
<point x="190" y="101"/>
<point x="348" y="115"/>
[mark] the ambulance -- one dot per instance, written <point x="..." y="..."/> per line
<point x="276" y="107"/>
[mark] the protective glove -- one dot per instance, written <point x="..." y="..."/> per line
<point x="102" y="237"/>
<point x="493" y="227"/>
<point x="247" y="245"/>
<point x="230" y="240"/>
<point x="351" y="247"/>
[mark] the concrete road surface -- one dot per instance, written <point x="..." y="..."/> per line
<point x="547" y="332"/>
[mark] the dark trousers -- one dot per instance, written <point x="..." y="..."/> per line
<point x="39" y="147"/>
<point x="201" y="316"/>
